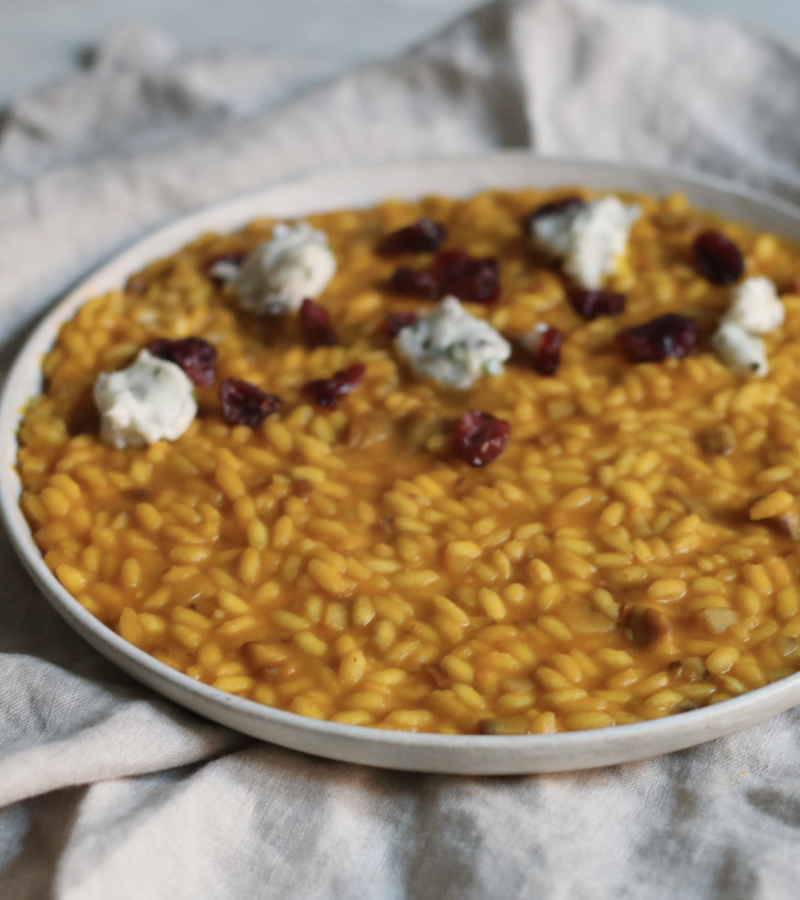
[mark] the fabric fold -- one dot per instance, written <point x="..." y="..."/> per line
<point x="139" y="92"/>
<point x="88" y="731"/>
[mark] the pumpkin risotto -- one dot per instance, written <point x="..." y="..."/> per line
<point x="593" y="526"/>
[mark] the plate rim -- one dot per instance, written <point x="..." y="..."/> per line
<point x="378" y="747"/>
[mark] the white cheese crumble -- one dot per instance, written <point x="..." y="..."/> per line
<point x="151" y="400"/>
<point x="453" y="347"/>
<point x="755" y="309"/>
<point x="226" y="270"/>
<point x="742" y="352"/>
<point x="297" y="264"/>
<point x="589" y="239"/>
<point x="755" y="306"/>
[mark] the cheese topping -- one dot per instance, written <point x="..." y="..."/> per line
<point x="755" y="309"/>
<point x="589" y="239"/>
<point x="742" y="352"/>
<point x="297" y="264"/>
<point x="755" y="306"/>
<point x="453" y="347"/>
<point x="151" y="400"/>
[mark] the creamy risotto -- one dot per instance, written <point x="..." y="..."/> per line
<point x="521" y="463"/>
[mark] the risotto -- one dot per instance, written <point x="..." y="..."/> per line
<point x="626" y="551"/>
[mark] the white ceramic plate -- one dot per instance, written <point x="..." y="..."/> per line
<point x="478" y="754"/>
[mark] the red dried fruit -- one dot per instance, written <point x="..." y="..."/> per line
<point x="472" y="279"/>
<point x="424" y="236"/>
<point x="415" y="283"/>
<point x="554" y="207"/>
<point x="591" y="304"/>
<point x="328" y="392"/>
<point x="717" y="258"/>
<point x="245" y="404"/>
<point x="395" y="322"/>
<point x="315" y="321"/>
<point x="546" y="354"/>
<point x="671" y="335"/>
<point x="195" y="356"/>
<point x="160" y="347"/>
<point x="479" y="438"/>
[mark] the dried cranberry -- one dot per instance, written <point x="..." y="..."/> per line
<point x="472" y="279"/>
<point x="555" y="207"/>
<point x="670" y="335"/>
<point x="160" y="347"/>
<point x="424" y="236"/>
<point x="415" y="283"/>
<point x="315" y="321"/>
<point x="479" y="438"/>
<point x="329" y="391"/>
<point x="717" y="257"/>
<point x="245" y="404"/>
<point x="591" y="304"/>
<point x="546" y="354"/>
<point x="395" y="322"/>
<point x="197" y="358"/>
<point x="194" y="355"/>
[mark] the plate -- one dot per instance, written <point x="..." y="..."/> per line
<point x="455" y="754"/>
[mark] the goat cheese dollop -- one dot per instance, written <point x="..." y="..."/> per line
<point x="151" y="400"/>
<point x="742" y="352"/>
<point x="297" y="264"/>
<point x="755" y="306"/>
<point x="589" y="239"/>
<point x="755" y="309"/>
<point x="453" y="347"/>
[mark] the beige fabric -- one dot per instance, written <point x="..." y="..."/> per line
<point x="110" y="792"/>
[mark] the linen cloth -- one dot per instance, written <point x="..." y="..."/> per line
<point x="106" y="790"/>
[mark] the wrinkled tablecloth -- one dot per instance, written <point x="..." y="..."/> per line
<point x="107" y="790"/>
